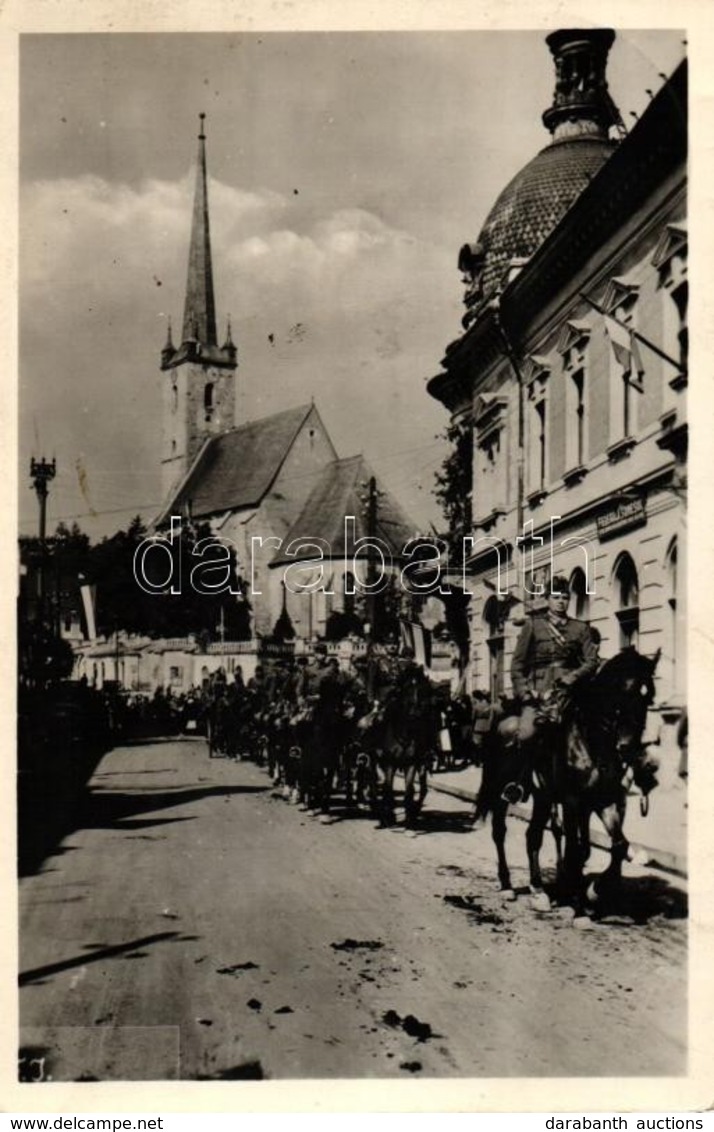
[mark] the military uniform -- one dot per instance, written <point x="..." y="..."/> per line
<point x="549" y="648"/>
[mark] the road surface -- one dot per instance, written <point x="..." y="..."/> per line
<point x="194" y="926"/>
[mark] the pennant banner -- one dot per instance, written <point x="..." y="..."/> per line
<point x="626" y="350"/>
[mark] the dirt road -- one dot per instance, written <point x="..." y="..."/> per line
<point x="195" y="926"/>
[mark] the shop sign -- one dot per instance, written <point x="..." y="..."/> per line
<point x="624" y="515"/>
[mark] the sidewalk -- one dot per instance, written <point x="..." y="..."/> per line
<point x="661" y="837"/>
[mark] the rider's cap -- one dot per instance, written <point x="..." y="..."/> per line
<point x="559" y="585"/>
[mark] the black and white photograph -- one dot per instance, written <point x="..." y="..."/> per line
<point x="351" y="568"/>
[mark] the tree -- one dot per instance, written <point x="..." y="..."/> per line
<point x="454" y="487"/>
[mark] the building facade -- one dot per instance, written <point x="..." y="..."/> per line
<point x="572" y="377"/>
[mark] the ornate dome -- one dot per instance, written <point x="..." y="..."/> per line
<point x="534" y="201"/>
<point x="537" y="198"/>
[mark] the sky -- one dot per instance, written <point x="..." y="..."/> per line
<point x="345" y="172"/>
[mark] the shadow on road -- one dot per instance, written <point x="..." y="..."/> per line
<point x="101" y="953"/>
<point x="45" y="819"/>
<point x="445" y="821"/>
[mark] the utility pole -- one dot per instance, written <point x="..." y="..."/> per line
<point x="42" y="473"/>
<point x="371" y="501"/>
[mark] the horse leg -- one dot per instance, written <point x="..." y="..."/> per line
<point x="573" y="821"/>
<point x="612" y="817"/>
<point x="387" y="815"/>
<point x="410" y="806"/>
<point x="423" y="787"/>
<point x="556" y="828"/>
<point x="498" y="833"/>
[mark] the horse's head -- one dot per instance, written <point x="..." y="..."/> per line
<point x="626" y="689"/>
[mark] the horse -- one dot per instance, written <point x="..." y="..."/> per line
<point x="603" y="753"/>
<point x="581" y="765"/>
<point x="404" y="739"/>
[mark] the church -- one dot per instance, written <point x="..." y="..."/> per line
<point x="265" y="485"/>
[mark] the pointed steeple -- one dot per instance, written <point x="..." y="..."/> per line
<point x="199" y="319"/>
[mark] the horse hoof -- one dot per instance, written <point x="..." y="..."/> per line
<point x="411" y="833"/>
<point x="583" y="923"/>
<point x="508" y="895"/>
<point x="592" y="895"/>
<point x="303" y="808"/>
<point x="325" y="819"/>
<point x="540" y="901"/>
<point x="638" y="857"/>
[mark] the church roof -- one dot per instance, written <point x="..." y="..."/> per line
<point x="341" y="491"/>
<point x="235" y="469"/>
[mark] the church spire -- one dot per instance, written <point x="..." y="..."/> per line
<point x="199" y="319"/>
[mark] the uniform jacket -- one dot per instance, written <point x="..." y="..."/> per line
<point x="542" y="655"/>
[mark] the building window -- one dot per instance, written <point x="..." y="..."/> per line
<point x="625" y="362"/>
<point x="579" y="596"/>
<point x="671" y="647"/>
<point x="627" y="595"/>
<point x="175" y="673"/>
<point x="670" y="260"/>
<point x="680" y="300"/>
<point x="536" y="374"/>
<point x="493" y="615"/>
<point x="492" y="464"/>
<point x="573" y="346"/>
<point x="575" y="420"/>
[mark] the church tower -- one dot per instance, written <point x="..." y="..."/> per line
<point x="198" y="398"/>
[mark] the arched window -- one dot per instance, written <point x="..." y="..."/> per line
<point x="493" y="616"/>
<point x="627" y="596"/>
<point x="579" y="596"/>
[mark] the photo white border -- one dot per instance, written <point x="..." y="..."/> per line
<point x="692" y="1093"/>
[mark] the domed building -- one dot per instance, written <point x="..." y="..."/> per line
<point x="533" y="202"/>
<point x="570" y="380"/>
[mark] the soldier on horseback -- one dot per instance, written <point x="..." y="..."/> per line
<point x="554" y="652"/>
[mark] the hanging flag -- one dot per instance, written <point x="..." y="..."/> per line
<point x="626" y="349"/>
<point x="89" y="597"/>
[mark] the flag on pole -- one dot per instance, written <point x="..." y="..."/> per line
<point x="415" y="637"/>
<point x="627" y="353"/>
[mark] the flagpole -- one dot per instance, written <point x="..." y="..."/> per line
<point x="635" y="333"/>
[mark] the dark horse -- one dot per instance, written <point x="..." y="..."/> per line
<point x="582" y="766"/>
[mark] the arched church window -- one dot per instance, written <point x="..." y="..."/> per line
<point x="208" y="399"/>
<point x="627" y="594"/>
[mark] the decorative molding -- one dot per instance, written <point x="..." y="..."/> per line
<point x="574" y="475"/>
<point x="489" y="415"/>
<point x="620" y="294"/>
<point x="490" y="519"/>
<point x="535" y="498"/>
<point x="621" y="448"/>
<point x="574" y="335"/>
<point x="672" y="242"/>
<point x="678" y="382"/>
